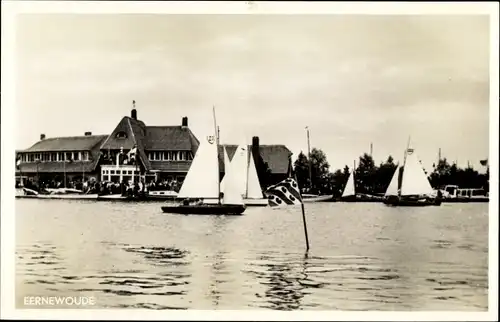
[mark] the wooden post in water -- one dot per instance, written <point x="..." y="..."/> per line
<point x="303" y="211"/>
<point x="305" y="225"/>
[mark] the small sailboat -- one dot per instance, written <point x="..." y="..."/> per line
<point x="243" y="165"/>
<point x="409" y="185"/>
<point x="349" y="193"/>
<point x="202" y="185"/>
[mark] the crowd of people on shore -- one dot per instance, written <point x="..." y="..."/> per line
<point x="92" y="186"/>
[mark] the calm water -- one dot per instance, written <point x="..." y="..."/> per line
<point x="362" y="257"/>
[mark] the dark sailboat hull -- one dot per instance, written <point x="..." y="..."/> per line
<point x="359" y="198"/>
<point x="410" y="202"/>
<point x="205" y="209"/>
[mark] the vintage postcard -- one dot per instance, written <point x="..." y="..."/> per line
<point x="249" y="160"/>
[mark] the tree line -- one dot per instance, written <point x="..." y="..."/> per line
<point x="374" y="179"/>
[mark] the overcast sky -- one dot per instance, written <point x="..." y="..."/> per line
<point x="352" y="79"/>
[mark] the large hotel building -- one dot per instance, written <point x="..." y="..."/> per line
<point x="163" y="153"/>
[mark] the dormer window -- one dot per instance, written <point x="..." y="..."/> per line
<point x="121" y="135"/>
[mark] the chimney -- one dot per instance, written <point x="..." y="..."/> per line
<point x="255" y="142"/>
<point x="256" y="150"/>
<point x="184" y="122"/>
<point x="42" y="137"/>
<point x="88" y="133"/>
<point x="133" y="114"/>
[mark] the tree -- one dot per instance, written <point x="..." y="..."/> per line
<point x="301" y="168"/>
<point x="366" y="174"/>
<point x="320" y="172"/>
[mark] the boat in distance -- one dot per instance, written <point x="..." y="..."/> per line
<point x="205" y="209"/>
<point x="412" y="202"/>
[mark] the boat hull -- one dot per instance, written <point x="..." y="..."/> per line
<point x="316" y="199"/>
<point x="68" y="196"/>
<point x="162" y="195"/>
<point x="205" y="209"/>
<point x="256" y="202"/>
<point x="359" y="198"/>
<point x="466" y="200"/>
<point x="405" y="202"/>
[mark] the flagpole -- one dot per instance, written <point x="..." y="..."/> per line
<point x="303" y="209"/>
<point x="309" y="159"/>
<point x="217" y="133"/>
<point x="64" y="164"/>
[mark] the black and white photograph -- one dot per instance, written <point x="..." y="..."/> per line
<point x="270" y="159"/>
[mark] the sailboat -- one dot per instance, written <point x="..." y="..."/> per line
<point x="409" y="185"/>
<point x="202" y="184"/>
<point x="249" y="185"/>
<point x="349" y="193"/>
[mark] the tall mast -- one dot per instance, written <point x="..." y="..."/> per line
<point x="248" y="170"/>
<point x="404" y="163"/>
<point x="216" y="131"/>
<point x="309" y="157"/>
<point x="353" y="178"/>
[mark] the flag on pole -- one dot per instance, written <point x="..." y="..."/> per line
<point x="285" y="193"/>
<point x="132" y="152"/>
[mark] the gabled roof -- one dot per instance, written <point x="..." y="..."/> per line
<point x="72" y="143"/>
<point x="173" y="138"/>
<point x="125" y="126"/>
<point x="276" y="156"/>
<point x="135" y="132"/>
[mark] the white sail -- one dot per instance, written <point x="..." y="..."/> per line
<point x="253" y="190"/>
<point x="202" y="179"/>
<point x="349" y="189"/>
<point x="415" y="180"/>
<point x="235" y="177"/>
<point x="392" y="190"/>
<point x="226" y="168"/>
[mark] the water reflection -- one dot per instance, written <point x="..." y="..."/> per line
<point x="364" y="257"/>
<point x="285" y="282"/>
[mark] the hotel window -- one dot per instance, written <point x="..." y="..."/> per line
<point x="76" y="156"/>
<point x="53" y="156"/>
<point x="163" y="155"/>
<point x="174" y="156"/>
<point x="112" y="172"/>
<point x="121" y="135"/>
<point x="85" y="156"/>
